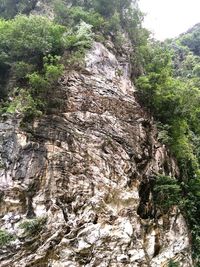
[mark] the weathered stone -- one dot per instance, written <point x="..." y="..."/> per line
<point x="88" y="169"/>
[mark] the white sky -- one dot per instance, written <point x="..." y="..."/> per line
<point x="169" y="18"/>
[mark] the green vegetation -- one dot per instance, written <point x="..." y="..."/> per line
<point x="31" y="47"/>
<point x="74" y="15"/>
<point x="170" y="90"/>
<point x="108" y="18"/>
<point x="42" y="82"/>
<point x="5" y="238"/>
<point x="166" y="193"/>
<point x="24" y="42"/>
<point x="29" y="39"/>
<point x="34" y="226"/>
<point x="192" y="39"/>
<point x="10" y="8"/>
<point x="35" y="51"/>
<point x="30" y="52"/>
<point x="173" y="264"/>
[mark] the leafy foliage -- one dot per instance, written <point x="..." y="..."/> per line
<point x="173" y="264"/>
<point x="21" y="102"/>
<point x="5" y="238"/>
<point x="170" y="89"/>
<point x="28" y="51"/>
<point x="34" y="226"/>
<point x="166" y="193"/>
<point x="108" y="18"/>
<point x="81" y="38"/>
<point x="22" y="69"/>
<point x="10" y="8"/>
<point x="74" y="15"/>
<point x="192" y="39"/>
<point x="168" y="80"/>
<point x="29" y="38"/>
<point x="41" y="82"/>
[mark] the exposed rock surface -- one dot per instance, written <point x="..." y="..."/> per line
<point x="87" y="168"/>
<point x="44" y="8"/>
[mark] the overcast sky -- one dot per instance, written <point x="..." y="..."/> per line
<point x="169" y="18"/>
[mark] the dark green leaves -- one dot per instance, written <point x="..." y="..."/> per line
<point x="166" y="192"/>
<point x="29" y="37"/>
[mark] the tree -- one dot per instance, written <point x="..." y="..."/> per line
<point x="10" y="8"/>
<point x="29" y="38"/>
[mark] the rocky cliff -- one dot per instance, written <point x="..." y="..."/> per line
<point x="76" y="185"/>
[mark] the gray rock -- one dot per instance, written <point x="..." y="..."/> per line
<point x="88" y="169"/>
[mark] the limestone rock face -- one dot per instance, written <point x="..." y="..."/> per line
<point x="87" y="168"/>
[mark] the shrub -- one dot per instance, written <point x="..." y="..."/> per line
<point x="173" y="264"/>
<point x="77" y="43"/>
<point x="38" y="82"/>
<point x="81" y="38"/>
<point x="53" y="69"/>
<point x="166" y="192"/>
<point x="113" y="24"/>
<point x="22" y="69"/>
<point x="34" y="226"/>
<point x="25" y="104"/>
<point x="29" y="38"/>
<point x="196" y="70"/>
<point x="75" y="14"/>
<point x="9" y="8"/>
<point x="104" y="7"/>
<point x="5" y="238"/>
<point x="163" y="133"/>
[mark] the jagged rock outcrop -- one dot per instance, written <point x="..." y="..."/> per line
<point x="87" y="168"/>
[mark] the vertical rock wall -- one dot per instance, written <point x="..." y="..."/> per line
<point x="88" y="168"/>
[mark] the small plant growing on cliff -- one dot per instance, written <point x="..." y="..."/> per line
<point x="5" y="238"/>
<point x="166" y="192"/>
<point x="172" y="263"/>
<point x="41" y="82"/>
<point x="79" y="41"/>
<point x="33" y="226"/>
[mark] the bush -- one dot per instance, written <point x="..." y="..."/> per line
<point x="173" y="264"/>
<point x="53" y="69"/>
<point x="5" y="238"/>
<point x="38" y="83"/>
<point x="34" y="226"/>
<point x="9" y="8"/>
<point x="74" y="15"/>
<point x="42" y="82"/>
<point x="192" y="40"/>
<point x="29" y="38"/>
<point x="22" y="69"/>
<point x="113" y="24"/>
<point x="104" y="7"/>
<point x="166" y="193"/>
<point x="81" y="38"/>
<point x="25" y="104"/>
